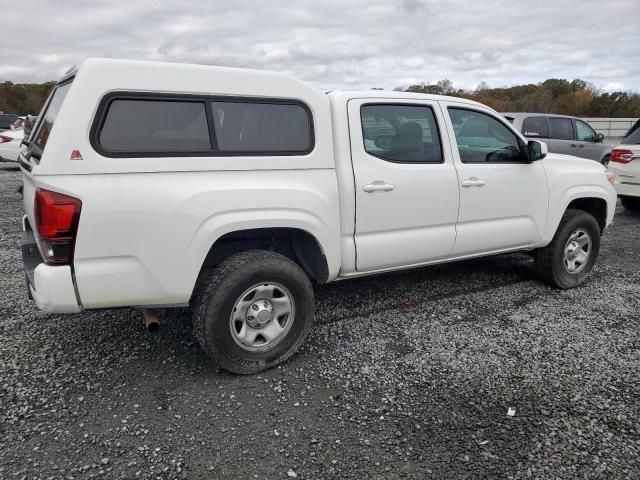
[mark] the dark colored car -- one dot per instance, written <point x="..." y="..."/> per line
<point x="6" y="120"/>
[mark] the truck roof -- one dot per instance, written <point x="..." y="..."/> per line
<point x="191" y="76"/>
<point x="394" y="94"/>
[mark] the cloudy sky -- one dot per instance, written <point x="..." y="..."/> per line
<point x="337" y="43"/>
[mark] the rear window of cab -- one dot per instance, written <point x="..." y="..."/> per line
<point x="131" y="125"/>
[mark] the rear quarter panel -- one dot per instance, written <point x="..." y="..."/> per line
<point x="147" y="223"/>
<point x="142" y="238"/>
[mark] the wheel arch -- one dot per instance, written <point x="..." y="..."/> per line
<point x="592" y="201"/>
<point x="593" y="205"/>
<point x="297" y="244"/>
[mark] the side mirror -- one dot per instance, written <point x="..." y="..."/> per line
<point x="536" y="150"/>
<point x="599" y="138"/>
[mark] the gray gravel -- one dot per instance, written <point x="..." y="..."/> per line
<point x="406" y="375"/>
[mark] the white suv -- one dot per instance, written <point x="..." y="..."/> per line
<point x="625" y="165"/>
<point x="234" y="191"/>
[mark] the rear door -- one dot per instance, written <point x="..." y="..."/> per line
<point x="563" y="138"/>
<point x="406" y="186"/>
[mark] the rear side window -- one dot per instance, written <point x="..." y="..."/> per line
<point x="142" y="125"/>
<point x="136" y="125"/>
<point x="561" y="128"/>
<point x="49" y="115"/>
<point x="401" y="133"/>
<point x="535" y="127"/>
<point x="256" y="127"/>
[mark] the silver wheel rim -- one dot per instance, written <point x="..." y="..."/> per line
<point x="577" y="251"/>
<point x="262" y="316"/>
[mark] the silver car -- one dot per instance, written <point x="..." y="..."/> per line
<point x="562" y="134"/>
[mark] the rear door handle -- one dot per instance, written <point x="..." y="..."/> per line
<point x="574" y="145"/>
<point x="473" y="182"/>
<point x="378" y="186"/>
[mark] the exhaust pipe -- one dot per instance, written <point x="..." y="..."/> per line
<point x="151" y="320"/>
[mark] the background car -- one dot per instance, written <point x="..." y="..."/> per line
<point x="10" y="141"/>
<point x="29" y="122"/>
<point x="6" y="120"/>
<point x="625" y="165"/>
<point x="563" y="134"/>
<point x="19" y="123"/>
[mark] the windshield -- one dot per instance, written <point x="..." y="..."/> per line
<point x="49" y="115"/>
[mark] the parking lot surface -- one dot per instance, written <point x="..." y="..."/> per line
<point x="406" y="375"/>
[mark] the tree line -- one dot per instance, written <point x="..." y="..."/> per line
<point x="24" y="98"/>
<point x="576" y="97"/>
<point x="555" y="95"/>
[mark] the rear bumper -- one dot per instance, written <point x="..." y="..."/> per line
<point x="9" y="155"/>
<point x="7" y="160"/>
<point x="51" y="287"/>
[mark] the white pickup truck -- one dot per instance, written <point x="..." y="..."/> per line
<point x="234" y="191"/>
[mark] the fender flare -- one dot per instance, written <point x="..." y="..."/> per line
<point x="216" y="226"/>
<point x="572" y="193"/>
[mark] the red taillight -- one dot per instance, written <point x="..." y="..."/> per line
<point x="57" y="217"/>
<point x="619" y="155"/>
<point x="4" y="139"/>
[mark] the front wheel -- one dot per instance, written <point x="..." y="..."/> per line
<point x="568" y="259"/>
<point x="253" y="311"/>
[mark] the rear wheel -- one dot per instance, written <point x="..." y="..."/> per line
<point x="568" y="259"/>
<point x="631" y="203"/>
<point x="605" y="160"/>
<point x="253" y="311"/>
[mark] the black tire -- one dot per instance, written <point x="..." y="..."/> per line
<point x="549" y="261"/>
<point x="631" y="203"/>
<point x="216" y="296"/>
<point x="605" y="160"/>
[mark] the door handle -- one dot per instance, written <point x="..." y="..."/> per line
<point x="581" y="145"/>
<point x="473" y="182"/>
<point x="378" y="187"/>
<point x="574" y="145"/>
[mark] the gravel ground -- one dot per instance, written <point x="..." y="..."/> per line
<point x="406" y="375"/>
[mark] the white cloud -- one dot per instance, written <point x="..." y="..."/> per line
<point x="338" y="43"/>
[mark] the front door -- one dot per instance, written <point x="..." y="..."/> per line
<point x="406" y="186"/>
<point x="587" y="145"/>
<point x="503" y="199"/>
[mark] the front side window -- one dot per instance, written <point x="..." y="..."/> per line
<point x="138" y="125"/>
<point x="584" y="132"/>
<point x="482" y="138"/>
<point x="535" y="127"/>
<point x="561" y="128"/>
<point x="257" y="127"/>
<point x="401" y="133"/>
